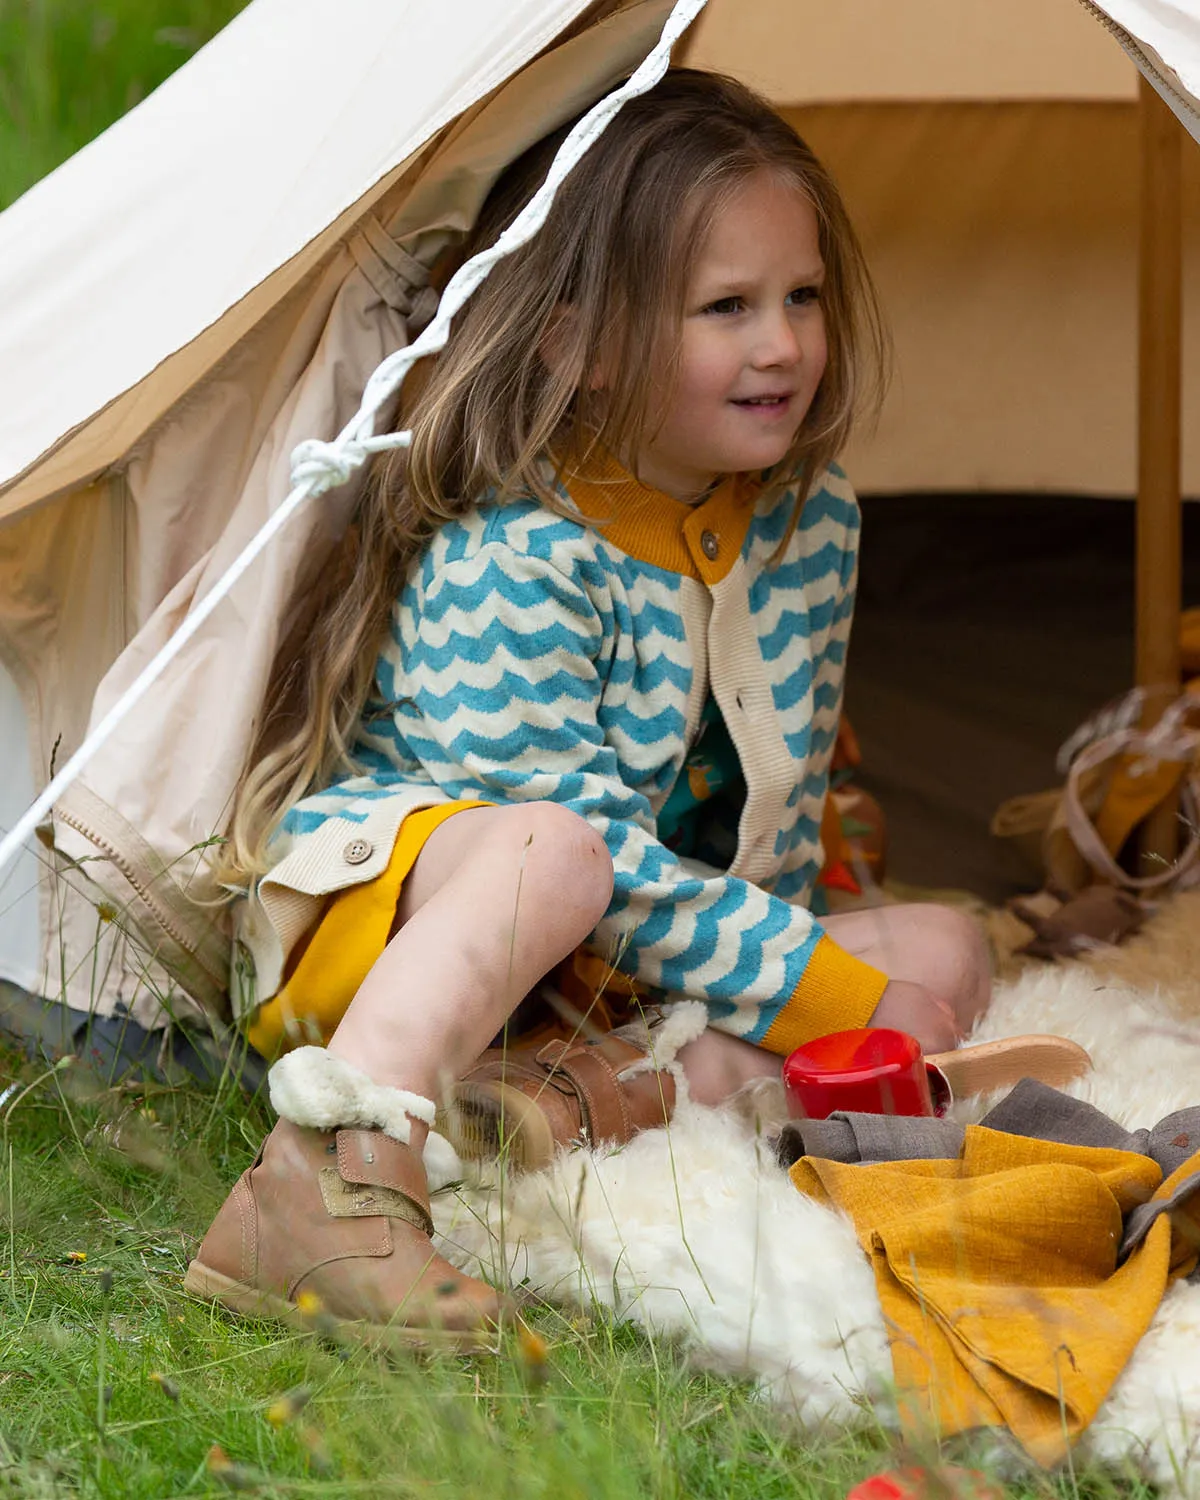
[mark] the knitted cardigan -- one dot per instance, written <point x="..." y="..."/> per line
<point x="536" y="657"/>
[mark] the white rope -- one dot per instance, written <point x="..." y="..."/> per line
<point x="320" y="466"/>
<point x="329" y="460"/>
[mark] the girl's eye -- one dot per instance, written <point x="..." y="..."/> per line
<point x="723" y="306"/>
<point x="803" y="295"/>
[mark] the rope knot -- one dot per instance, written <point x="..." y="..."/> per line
<point x="323" y="466"/>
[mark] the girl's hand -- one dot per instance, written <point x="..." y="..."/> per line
<point x="910" y="1007"/>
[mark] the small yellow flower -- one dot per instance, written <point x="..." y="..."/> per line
<point x="309" y="1304"/>
<point x="77" y="1257"/>
<point x="533" y="1352"/>
<point x="217" y="1459"/>
<point x="288" y="1406"/>
<point x="165" y="1384"/>
<point x="233" y="1476"/>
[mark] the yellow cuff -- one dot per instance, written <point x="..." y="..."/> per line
<point x="837" y="992"/>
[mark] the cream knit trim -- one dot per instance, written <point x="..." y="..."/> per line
<point x="314" y="1088"/>
<point x="682" y="1023"/>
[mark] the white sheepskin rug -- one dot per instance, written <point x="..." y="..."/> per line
<point x="696" y="1234"/>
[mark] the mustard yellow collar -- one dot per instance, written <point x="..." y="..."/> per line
<point x="701" y="541"/>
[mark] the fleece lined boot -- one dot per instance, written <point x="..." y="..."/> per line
<point x="330" y="1226"/>
<point x="522" y="1104"/>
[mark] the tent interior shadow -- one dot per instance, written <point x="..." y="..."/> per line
<point x="988" y="627"/>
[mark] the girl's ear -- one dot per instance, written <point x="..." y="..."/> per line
<point x="559" y="349"/>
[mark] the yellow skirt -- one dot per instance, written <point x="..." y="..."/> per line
<point x="325" y="974"/>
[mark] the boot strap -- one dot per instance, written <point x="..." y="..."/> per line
<point x="362" y="1200"/>
<point x="603" y="1103"/>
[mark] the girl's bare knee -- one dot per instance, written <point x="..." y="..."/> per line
<point x="562" y="854"/>
<point x="963" y="962"/>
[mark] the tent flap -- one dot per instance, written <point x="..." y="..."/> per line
<point x="238" y="170"/>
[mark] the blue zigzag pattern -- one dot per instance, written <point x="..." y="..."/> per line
<point x="528" y="657"/>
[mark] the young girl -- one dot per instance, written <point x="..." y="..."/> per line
<point x="613" y="580"/>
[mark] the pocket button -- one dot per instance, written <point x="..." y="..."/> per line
<point x="357" y="851"/>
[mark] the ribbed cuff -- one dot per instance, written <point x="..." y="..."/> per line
<point x="837" y="992"/>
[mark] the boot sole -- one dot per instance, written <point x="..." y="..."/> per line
<point x="490" y="1121"/>
<point x="203" y="1282"/>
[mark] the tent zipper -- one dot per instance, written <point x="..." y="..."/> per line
<point x="1145" y="64"/>
<point x="144" y="889"/>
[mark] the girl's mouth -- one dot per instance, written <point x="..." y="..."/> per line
<point x="765" y="404"/>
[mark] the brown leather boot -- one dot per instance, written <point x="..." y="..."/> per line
<point x="331" y="1229"/>
<point x="521" y="1104"/>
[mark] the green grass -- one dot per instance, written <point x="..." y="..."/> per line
<point x="114" y="1383"/>
<point x="68" y="70"/>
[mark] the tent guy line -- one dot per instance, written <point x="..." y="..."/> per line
<point x="318" y="466"/>
<point x="329" y="464"/>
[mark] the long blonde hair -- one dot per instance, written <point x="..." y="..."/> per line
<point x="617" y="250"/>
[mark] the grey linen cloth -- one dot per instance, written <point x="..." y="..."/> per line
<point x="1033" y="1110"/>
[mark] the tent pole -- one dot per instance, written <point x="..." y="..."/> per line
<point x="1159" y="506"/>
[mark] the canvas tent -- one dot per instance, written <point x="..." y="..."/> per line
<point x="215" y="278"/>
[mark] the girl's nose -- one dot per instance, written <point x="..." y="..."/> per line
<point x="777" y="343"/>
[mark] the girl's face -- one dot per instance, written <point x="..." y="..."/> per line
<point x="753" y="342"/>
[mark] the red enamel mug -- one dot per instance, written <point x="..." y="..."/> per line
<point x="874" y="1071"/>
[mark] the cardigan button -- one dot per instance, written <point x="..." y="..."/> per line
<point x="358" y="851"/>
<point x="709" y="545"/>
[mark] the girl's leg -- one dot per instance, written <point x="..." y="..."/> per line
<point x="936" y="948"/>
<point x="717" y="1065"/>
<point x="937" y="959"/>
<point x="498" y="896"/>
<point x="339" y="1211"/>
